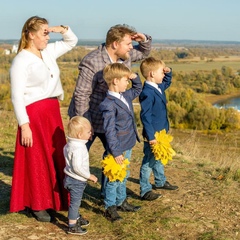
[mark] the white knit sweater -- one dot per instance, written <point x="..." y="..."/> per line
<point x="34" y="79"/>
<point x="77" y="159"/>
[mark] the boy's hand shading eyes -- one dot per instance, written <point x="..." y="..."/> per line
<point x="132" y="76"/>
<point x="166" y="70"/>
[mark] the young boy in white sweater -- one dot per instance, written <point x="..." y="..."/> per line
<point x="77" y="170"/>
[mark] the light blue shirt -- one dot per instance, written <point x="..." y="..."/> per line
<point x="119" y="96"/>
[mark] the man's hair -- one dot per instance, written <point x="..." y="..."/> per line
<point x="150" y="64"/>
<point x="76" y="125"/>
<point x="115" y="70"/>
<point x="117" y="33"/>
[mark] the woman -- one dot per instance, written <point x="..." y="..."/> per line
<point x="37" y="182"/>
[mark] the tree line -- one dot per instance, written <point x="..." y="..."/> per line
<point x="186" y="105"/>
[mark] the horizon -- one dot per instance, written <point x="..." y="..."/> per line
<point x="154" y="41"/>
<point x="215" y="20"/>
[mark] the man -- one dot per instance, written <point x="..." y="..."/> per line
<point x="91" y="88"/>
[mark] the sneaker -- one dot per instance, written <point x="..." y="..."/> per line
<point x="82" y="221"/>
<point x="150" y="196"/>
<point x="126" y="207"/>
<point x="76" y="230"/>
<point x="111" y="214"/>
<point x="42" y="216"/>
<point x="167" y="186"/>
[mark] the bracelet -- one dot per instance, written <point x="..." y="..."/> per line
<point x="64" y="28"/>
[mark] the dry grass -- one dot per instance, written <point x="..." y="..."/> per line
<point x="207" y="205"/>
<point x="218" y="151"/>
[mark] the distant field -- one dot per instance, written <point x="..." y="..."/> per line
<point x="196" y="64"/>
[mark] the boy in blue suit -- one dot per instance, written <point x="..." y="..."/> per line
<point x="154" y="118"/>
<point x="120" y="130"/>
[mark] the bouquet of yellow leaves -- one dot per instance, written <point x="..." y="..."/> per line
<point x="112" y="170"/>
<point x="163" y="150"/>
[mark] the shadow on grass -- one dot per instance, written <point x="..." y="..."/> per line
<point x="5" y="190"/>
<point x="57" y="218"/>
<point x="6" y="166"/>
<point x="93" y="193"/>
<point x="134" y="180"/>
<point x="6" y="162"/>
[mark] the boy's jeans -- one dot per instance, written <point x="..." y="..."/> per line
<point x="149" y="165"/>
<point x="115" y="192"/>
<point x="76" y="189"/>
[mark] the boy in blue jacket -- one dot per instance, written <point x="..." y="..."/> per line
<point x="154" y="119"/>
<point x="120" y="130"/>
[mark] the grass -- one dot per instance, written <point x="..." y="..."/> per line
<point x="206" y="168"/>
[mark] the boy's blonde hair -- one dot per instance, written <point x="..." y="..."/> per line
<point x="150" y="64"/>
<point x="76" y="125"/>
<point x="115" y="70"/>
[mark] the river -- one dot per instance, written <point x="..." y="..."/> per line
<point x="229" y="103"/>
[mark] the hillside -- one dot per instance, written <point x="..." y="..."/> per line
<point x="206" y="167"/>
<point x="207" y="205"/>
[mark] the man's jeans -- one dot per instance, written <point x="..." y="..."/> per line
<point x="76" y="189"/>
<point x="149" y="165"/>
<point x="102" y="137"/>
<point x="115" y="192"/>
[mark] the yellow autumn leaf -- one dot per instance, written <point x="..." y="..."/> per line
<point x="112" y="170"/>
<point x="163" y="150"/>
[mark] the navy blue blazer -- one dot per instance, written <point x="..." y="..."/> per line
<point x="118" y="121"/>
<point x="154" y="108"/>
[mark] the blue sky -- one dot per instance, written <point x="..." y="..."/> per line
<point x="90" y="19"/>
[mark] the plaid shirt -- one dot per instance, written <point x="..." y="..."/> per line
<point x="91" y="88"/>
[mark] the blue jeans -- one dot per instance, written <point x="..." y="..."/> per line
<point x="115" y="192"/>
<point x="149" y="165"/>
<point x="76" y="189"/>
<point x="102" y="137"/>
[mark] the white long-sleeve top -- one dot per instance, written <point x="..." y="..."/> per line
<point x="34" y="79"/>
<point x="77" y="159"/>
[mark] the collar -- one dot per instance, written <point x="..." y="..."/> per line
<point x="114" y="94"/>
<point x="118" y="61"/>
<point x="152" y="84"/>
<point x="76" y="140"/>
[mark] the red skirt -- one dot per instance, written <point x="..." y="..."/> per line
<point x="38" y="175"/>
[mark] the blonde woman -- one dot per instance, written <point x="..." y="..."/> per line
<point x="37" y="183"/>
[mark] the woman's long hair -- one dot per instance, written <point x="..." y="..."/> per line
<point x="31" y="25"/>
